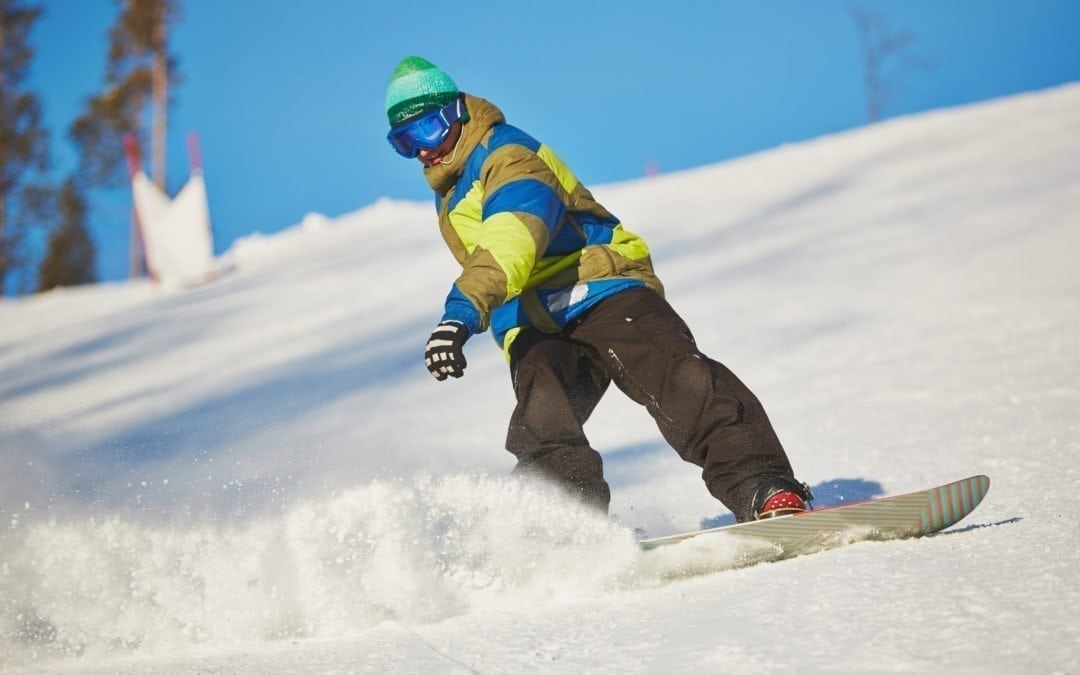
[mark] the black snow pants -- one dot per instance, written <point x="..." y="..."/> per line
<point x="636" y="340"/>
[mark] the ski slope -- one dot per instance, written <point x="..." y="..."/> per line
<point x="258" y="474"/>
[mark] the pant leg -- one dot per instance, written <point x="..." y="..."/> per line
<point x="702" y="409"/>
<point x="557" y="384"/>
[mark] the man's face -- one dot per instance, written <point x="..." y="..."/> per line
<point x="435" y="155"/>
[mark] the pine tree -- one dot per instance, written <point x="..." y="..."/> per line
<point x="23" y="140"/>
<point x="70" y="256"/>
<point x="140" y="73"/>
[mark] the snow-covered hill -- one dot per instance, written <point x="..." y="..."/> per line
<point x="260" y="475"/>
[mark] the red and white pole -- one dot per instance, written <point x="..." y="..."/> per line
<point x="137" y="253"/>
<point x="194" y="152"/>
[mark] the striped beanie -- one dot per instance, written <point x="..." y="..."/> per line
<point x="416" y="86"/>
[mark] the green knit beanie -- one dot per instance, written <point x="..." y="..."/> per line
<point x="416" y="86"/>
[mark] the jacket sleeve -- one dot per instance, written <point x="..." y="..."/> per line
<point x="523" y="205"/>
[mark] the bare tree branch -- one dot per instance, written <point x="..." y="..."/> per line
<point x="881" y="44"/>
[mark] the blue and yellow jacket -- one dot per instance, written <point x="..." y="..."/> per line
<point x="535" y="248"/>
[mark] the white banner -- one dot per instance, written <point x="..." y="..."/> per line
<point x="176" y="232"/>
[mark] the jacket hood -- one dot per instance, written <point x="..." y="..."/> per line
<point x="483" y="115"/>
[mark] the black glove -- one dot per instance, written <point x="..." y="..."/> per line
<point x="443" y="355"/>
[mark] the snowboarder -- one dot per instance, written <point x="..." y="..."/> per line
<point x="571" y="298"/>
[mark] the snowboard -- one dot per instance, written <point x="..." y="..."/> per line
<point x="903" y="516"/>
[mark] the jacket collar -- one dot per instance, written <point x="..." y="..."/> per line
<point x="483" y="115"/>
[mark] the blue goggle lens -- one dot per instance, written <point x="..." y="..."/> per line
<point x="427" y="131"/>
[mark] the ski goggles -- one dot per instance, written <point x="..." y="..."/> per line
<point x="427" y="131"/>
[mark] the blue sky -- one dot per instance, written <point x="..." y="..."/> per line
<point x="288" y="96"/>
